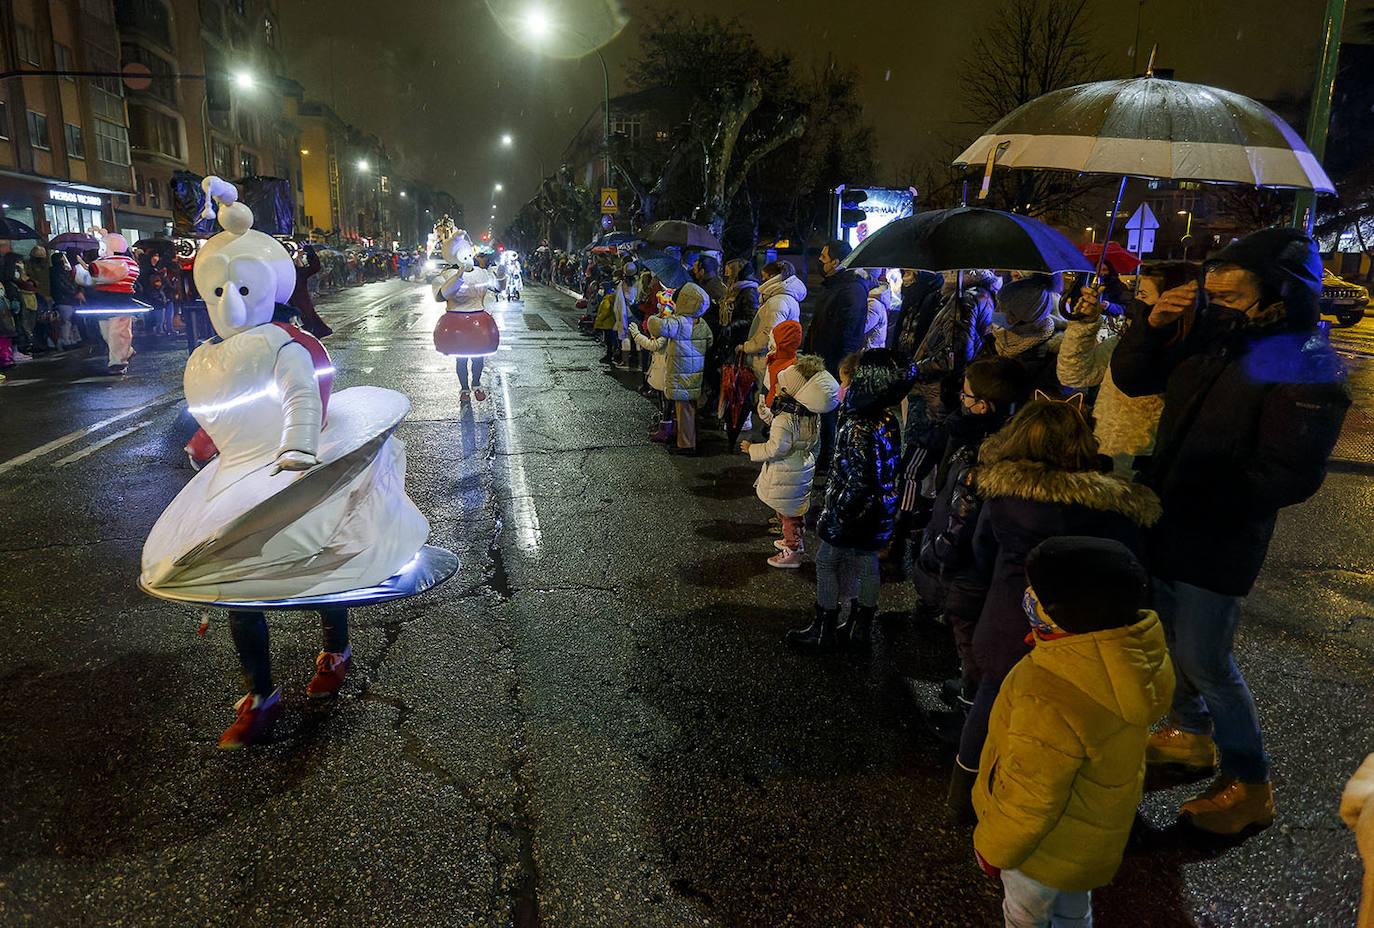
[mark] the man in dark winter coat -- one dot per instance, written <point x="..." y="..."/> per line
<point x="1253" y="405"/>
<point x="837" y="326"/>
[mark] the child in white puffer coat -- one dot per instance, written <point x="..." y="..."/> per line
<point x="805" y="391"/>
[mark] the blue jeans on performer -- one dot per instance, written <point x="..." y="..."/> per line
<point x="249" y="631"/>
<point x="1210" y="695"/>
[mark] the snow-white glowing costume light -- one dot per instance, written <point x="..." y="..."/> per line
<point x="294" y="505"/>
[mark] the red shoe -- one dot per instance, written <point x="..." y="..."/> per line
<point x="479" y="394"/>
<point x="329" y="674"/>
<point x="255" y="717"/>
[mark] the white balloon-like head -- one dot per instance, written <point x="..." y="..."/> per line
<point x="111" y="243"/>
<point x="458" y="249"/>
<point x="241" y="273"/>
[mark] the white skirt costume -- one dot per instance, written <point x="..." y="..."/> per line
<point x="238" y="531"/>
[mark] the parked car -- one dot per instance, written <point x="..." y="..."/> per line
<point x="1342" y="299"/>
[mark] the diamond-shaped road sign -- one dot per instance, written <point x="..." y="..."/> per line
<point x="610" y="200"/>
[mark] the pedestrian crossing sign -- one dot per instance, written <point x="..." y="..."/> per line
<point x="610" y="200"/>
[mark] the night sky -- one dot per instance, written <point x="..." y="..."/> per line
<point x="441" y="81"/>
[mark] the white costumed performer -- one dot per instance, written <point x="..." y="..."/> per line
<point x="295" y="505"/>
<point x="466" y="330"/>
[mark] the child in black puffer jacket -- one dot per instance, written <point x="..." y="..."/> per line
<point x="861" y="496"/>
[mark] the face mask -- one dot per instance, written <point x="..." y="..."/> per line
<point x="1029" y="604"/>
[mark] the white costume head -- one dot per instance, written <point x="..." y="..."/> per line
<point x="111" y="243"/>
<point x="458" y="250"/>
<point x="241" y="273"/>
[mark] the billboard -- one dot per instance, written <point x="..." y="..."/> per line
<point x="859" y="212"/>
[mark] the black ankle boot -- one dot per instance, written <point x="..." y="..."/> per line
<point x="959" y="801"/>
<point x="856" y="632"/>
<point x="819" y="635"/>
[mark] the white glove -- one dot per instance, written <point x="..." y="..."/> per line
<point x="294" y="460"/>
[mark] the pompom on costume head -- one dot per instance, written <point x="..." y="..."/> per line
<point x="664" y="301"/>
<point x="458" y="249"/>
<point x="241" y="273"/>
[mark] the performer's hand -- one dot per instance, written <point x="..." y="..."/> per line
<point x="294" y="460"/>
<point x="744" y="446"/>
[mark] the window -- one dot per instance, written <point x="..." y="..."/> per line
<point x="154" y="193"/>
<point x="248" y="164"/>
<point x="247" y="125"/>
<point x="63" y="59"/>
<point x="100" y="59"/>
<point x="269" y="29"/>
<point x="76" y="147"/>
<point x="386" y="184"/>
<point x="4" y="120"/>
<point x="111" y="142"/>
<point x="96" y="9"/>
<point x="38" y="130"/>
<point x="106" y="105"/>
<point x="152" y="131"/>
<point x="211" y="16"/>
<point x="163" y="84"/>
<point x="63" y="218"/>
<point x="27" y="40"/>
<point x="222" y="156"/>
<point x="147" y="16"/>
<point x="628" y="127"/>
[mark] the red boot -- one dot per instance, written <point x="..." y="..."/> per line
<point x="664" y="433"/>
<point x="329" y="674"/>
<point x="255" y="716"/>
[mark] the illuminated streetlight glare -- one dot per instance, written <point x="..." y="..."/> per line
<point x="498" y="188"/>
<point x="362" y="164"/>
<point x="507" y="140"/>
<point x="244" y="80"/>
<point x="537" y="21"/>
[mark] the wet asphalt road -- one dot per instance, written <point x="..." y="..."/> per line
<point x="594" y="723"/>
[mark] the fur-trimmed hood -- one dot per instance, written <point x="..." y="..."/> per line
<point x="882" y="378"/>
<point x="1040" y="483"/>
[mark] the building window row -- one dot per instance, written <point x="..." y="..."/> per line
<point x="147" y="16"/>
<point x="112" y="143"/>
<point x="4" y="119"/>
<point x="27" y="39"/>
<point x="63" y="59"/>
<point x="76" y="146"/>
<point x="152" y="131"/>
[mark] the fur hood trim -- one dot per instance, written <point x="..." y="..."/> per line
<point x="1039" y="483"/>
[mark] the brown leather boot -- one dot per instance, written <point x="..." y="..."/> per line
<point x="1228" y="807"/>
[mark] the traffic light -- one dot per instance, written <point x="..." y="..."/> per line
<point x="485" y="236"/>
<point x="850" y="214"/>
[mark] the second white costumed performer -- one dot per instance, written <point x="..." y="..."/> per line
<point x="296" y="507"/>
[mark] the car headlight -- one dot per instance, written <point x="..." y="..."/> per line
<point x="430" y="265"/>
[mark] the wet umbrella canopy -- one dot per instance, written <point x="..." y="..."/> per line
<point x="682" y="233"/>
<point x="1152" y="127"/>
<point x="966" y="237"/>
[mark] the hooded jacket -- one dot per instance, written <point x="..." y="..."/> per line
<point x="1249" y="421"/>
<point x="1024" y="503"/>
<point x="787" y="338"/>
<point x="837" y="326"/>
<point x="658" y="349"/>
<point x="788" y="457"/>
<point x="1064" y="762"/>
<point x="781" y="298"/>
<point x="861" y="495"/>
<point x="875" y="324"/>
<point x="689" y="338"/>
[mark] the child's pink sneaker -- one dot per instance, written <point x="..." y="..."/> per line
<point x="787" y="558"/>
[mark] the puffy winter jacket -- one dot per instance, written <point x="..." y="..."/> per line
<point x="875" y="325"/>
<point x="837" y="327"/>
<point x="1248" y="424"/>
<point x="1024" y="503"/>
<point x="861" y="496"/>
<point x="658" y="361"/>
<point x="689" y="338"/>
<point x="1124" y="425"/>
<point x="1063" y="765"/>
<point x="781" y="298"/>
<point x="788" y="457"/>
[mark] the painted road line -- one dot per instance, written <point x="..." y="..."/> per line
<point x="92" y="449"/>
<point x="26" y="457"/>
<point x="20" y="383"/>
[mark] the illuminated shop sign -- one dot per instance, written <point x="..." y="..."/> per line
<point x="67" y="196"/>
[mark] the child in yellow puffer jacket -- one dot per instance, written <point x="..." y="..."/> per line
<point x="1064" y="762"/>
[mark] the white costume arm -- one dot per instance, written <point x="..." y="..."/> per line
<point x="302" y="412"/>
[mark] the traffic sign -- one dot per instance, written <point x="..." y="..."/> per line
<point x="1143" y="219"/>
<point x="610" y="200"/>
<point x="1140" y="241"/>
<point x="607" y="221"/>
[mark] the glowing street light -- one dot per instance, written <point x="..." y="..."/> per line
<point x="537" y="22"/>
<point x="244" y="80"/>
<point x="498" y="188"/>
<point x="507" y="141"/>
<point x="362" y="164"/>
<point x="403" y="193"/>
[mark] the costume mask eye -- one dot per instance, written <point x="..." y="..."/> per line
<point x="243" y="291"/>
<point x="219" y="291"/>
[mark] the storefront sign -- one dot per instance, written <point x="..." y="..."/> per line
<point x="68" y="196"/>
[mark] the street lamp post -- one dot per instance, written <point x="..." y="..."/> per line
<point x="539" y="25"/>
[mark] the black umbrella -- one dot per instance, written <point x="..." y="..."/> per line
<point x="13" y="229"/>
<point x="968" y="237"/>
<point x="682" y="233"/>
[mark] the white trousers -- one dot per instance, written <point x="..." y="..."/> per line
<point x="118" y="332"/>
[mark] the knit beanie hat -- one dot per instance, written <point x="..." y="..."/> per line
<point x="1087" y="584"/>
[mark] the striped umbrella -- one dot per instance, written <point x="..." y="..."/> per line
<point x="1152" y="127"/>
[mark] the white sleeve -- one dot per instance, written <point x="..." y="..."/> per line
<point x="303" y="413"/>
